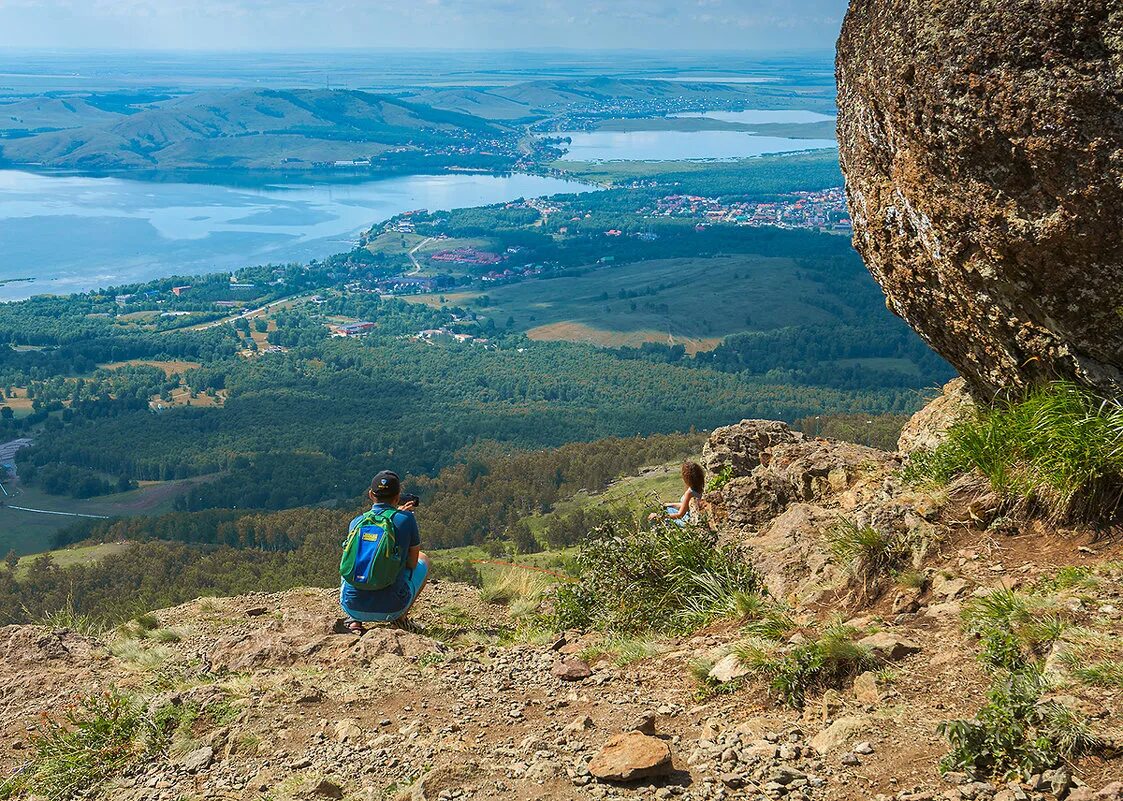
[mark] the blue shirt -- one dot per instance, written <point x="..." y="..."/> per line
<point x="396" y="597"/>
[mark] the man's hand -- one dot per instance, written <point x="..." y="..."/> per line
<point x="408" y="506"/>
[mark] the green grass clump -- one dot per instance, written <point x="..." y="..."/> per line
<point x="635" y="580"/>
<point x="69" y="618"/>
<point x="793" y="672"/>
<point x="870" y="553"/>
<point x="1014" y="732"/>
<point x="458" y="570"/>
<point x="95" y="741"/>
<point x="1059" y="449"/>
<point x="1015" y="629"/>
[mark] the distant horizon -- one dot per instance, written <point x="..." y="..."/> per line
<point x="432" y="25"/>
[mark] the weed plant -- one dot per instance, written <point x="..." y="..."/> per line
<point x="93" y="742"/>
<point x="1059" y="449"/>
<point x="793" y="672"/>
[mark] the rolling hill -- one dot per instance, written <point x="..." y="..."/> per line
<point x="257" y="129"/>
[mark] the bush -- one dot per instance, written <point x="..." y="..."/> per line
<point x="458" y="570"/>
<point x="1060" y="449"/>
<point x="1014" y="732"/>
<point x="635" y="580"/>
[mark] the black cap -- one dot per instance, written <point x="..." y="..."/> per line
<point x="386" y="485"/>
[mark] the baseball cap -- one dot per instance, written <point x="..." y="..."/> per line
<point x="386" y="484"/>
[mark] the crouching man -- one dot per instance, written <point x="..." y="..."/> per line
<point x="383" y="569"/>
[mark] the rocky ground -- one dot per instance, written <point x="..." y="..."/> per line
<point x="274" y="701"/>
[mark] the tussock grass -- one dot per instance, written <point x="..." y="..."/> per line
<point x="828" y="659"/>
<point x="1060" y="450"/>
<point x="623" y="650"/>
<point x="67" y="617"/>
<point x="520" y="590"/>
<point x="94" y="741"/>
<point x="1015" y="629"/>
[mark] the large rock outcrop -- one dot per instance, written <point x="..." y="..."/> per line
<point x="982" y="145"/>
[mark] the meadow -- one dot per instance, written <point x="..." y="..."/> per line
<point x="693" y="302"/>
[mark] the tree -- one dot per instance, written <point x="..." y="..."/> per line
<point x="11" y="560"/>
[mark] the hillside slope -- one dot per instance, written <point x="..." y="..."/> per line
<point x="263" y="697"/>
<point x="251" y="129"/>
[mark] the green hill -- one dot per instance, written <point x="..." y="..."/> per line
<point x="252" y="130"/>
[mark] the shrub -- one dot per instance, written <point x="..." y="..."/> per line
<point x="459" y="570"/>
<point x="1059" y="449"/>
<point x="634" y="580"/>
<point x="720" y="478"/>
<point x="94" y="742"/>
<point x="1014" y="732"/>
<point x="794" y="671"/>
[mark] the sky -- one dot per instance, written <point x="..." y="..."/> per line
<point x="278" y="25"/>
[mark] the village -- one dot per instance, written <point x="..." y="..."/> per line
<point x="822" y="211"/>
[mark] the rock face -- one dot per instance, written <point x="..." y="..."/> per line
<point x="982" y="145"/>
<point x="926" y="429"/>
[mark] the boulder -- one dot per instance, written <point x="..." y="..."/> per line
<point x="630" y="757"/>
<point x="834" y="472"/>
<point x="571" y="669"/>
<point x="199" y="759"/>
<point x="727" y="669"/>
<point x="794" y="557"/>
<point x="981" y="148"/>
<point x="843" y="731"/>
<point x="739" y="446"/>
<point x="926" y="429"/>
<point x="890" y="647"/>
<point x="751" y="501"/>
<point x="867" y="689"/>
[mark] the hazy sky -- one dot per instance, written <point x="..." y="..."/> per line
<point x="483" y="24"/>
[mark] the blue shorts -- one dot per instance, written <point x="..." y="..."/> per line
<point x="414" y="581"/>
<point x="678" y="521"/>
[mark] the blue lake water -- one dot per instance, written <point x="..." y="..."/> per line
<point x="679" y="145"/>
<point x="757" y="116"/>
<point x="74" y="233"/>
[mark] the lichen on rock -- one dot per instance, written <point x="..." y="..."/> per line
<point x="982" y="145"/>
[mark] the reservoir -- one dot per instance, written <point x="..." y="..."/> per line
<point x="758" y="116"/>
<point x="72" y="234"/>
<point x="679" y="145"/>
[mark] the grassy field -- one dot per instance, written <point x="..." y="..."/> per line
<point x="636" y="492"/>
<point x="168" y="367"/>
<point x="78" y="555"/>
<point x="676" y="303"/>
<point x="31" y="532"/>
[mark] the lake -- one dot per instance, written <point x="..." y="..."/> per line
<point x="757" y="116"/>
<point x="73" y="234"/>
<point x="679" y="145"/>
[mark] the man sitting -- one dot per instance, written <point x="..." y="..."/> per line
<point x="403" y="580"/>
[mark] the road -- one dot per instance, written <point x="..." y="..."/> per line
<point x="51" y="512"/>
<point x="248" y="315"/>
<point x="416" y="264"/>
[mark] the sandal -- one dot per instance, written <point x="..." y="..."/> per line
<point x="356" y="628"/>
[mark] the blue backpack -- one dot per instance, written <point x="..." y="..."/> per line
<point x="371" y="556"/>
